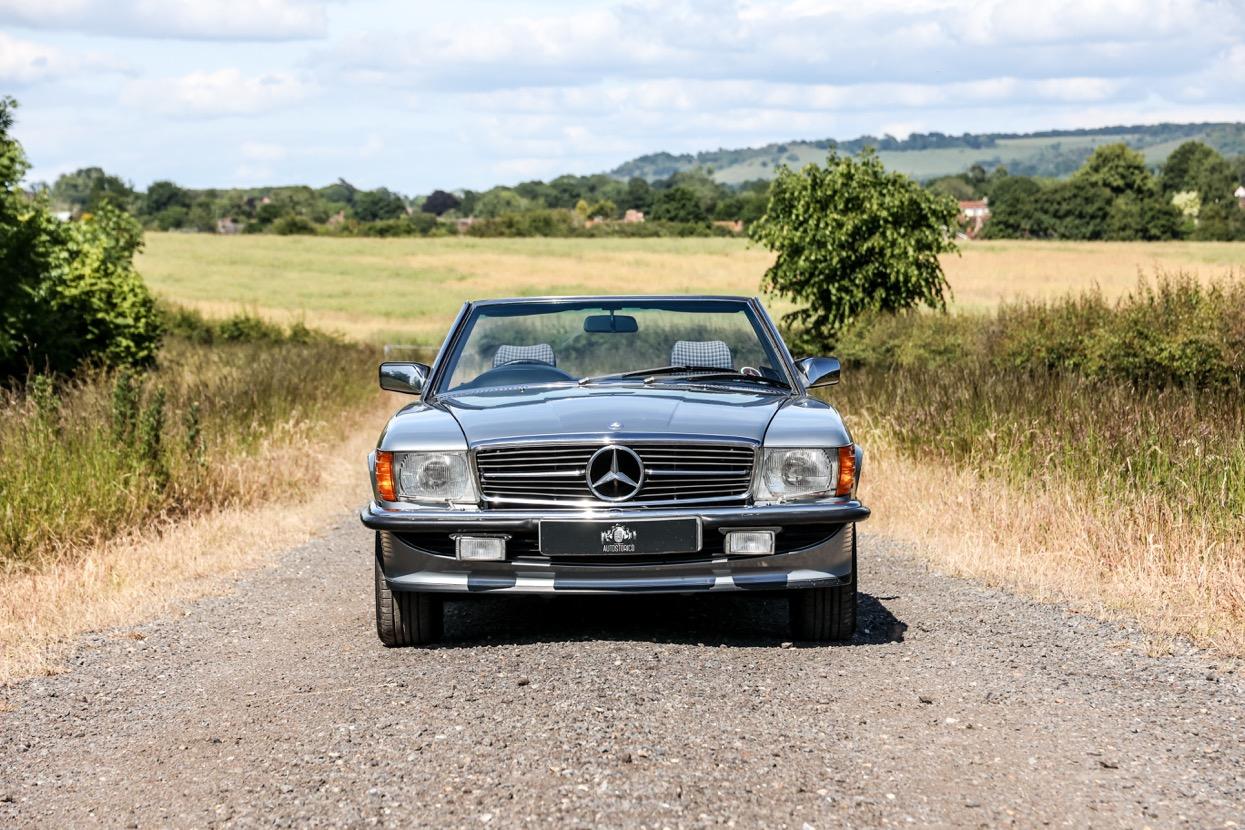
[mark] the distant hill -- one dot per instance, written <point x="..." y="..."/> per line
<point x="925" y="156"/>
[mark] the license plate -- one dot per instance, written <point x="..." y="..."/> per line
<point x="619" y="538"/>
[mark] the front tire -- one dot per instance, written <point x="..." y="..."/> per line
<point x="405" y="618"/>
<point x="826" y="614"/>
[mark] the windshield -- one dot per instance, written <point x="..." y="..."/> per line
<point x="636" y="341"/>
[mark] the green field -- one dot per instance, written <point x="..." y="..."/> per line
<point x="1041" y="155"/>
<point x="406" y="290"/>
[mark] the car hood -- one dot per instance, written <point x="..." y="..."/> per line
<point x="577" y="412"/>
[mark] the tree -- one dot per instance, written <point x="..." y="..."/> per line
<point x="638" y="195"/>
<point x="70" y="294"/>
<point x="163" y="195"/>
<point x="439" y="202"/>
<point x="1014" y="210"/>
<point x="1119" y="169"/>
<point x="87" y="188"/>
<point x="1181" y="170"/>
<point x="957" y="187"/>
<point x="373" y="205"/>
<point x="1075" y="209"/>
<point x="678" y="204"/>
<point x="852" y="238"/>
<point x="497" y="201"/>
<point x="340" y="192"/>
<point x="605" y="209"/>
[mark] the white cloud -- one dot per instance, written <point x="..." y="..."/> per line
<point x="24" y="62"/>
<point x="190" y="19"/>
<point x="220" y="93"/>
<point x="803" y="41"/>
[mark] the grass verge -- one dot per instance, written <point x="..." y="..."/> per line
<point x="1082" y="450"/>
<point x="123" y="493"/>
<point x="149" y="572"/>
<point x="1128" y="560"/>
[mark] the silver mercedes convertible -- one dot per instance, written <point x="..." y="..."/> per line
<point x="596" y="445"/>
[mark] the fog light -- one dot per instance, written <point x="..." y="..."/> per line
<point x="749" y="542"/>
<point x="480" y="548"/>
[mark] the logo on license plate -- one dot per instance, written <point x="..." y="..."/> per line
<point x="618" y="540"/>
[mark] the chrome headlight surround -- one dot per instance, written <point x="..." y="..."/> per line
<point x="441" y="477"/>
<point x="796" y="473"/>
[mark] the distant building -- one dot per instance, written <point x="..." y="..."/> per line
<point x="633" y="216"/>
<point x="464" y="223"/>
<point x="974" y="214"/>
<point x="228" y="226"/>
<point x="1240" y="196"/>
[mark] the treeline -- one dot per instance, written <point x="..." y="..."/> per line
<point x="1114" y="195"/>
<point x="596" y="205"/>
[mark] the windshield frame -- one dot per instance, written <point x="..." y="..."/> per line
<point x="763" y="326"/>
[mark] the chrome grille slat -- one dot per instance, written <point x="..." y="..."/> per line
<point x="553" y="474"/>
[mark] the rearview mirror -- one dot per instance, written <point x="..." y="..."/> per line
<point x="611" y="324"/>
<point x="407" y="378"/>
<point x="819" y="371"/>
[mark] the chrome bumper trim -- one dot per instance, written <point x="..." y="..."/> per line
<point x="384" y="516"/>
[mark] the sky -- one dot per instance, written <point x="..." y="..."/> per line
<point x="418" y="95"/>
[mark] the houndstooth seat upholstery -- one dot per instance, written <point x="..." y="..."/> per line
<point x="542" y="352"/>
<point x="713" y="353"/>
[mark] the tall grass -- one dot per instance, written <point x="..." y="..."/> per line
<point x="1126" y="418"/>
<point x="1142" y="395"/>
<point x="89" y="460"/>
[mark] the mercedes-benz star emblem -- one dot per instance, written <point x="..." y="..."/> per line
<point x="615" y="473"/>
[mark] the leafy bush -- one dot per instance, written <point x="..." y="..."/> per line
<point x="244" y="327"/>
<point x="294" y="225"/>
<point x="70" y="294"/>
<point x="1175" y="332"/>
<point x="547" y="222"/>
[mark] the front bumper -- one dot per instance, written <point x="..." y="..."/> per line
<point x="409" y="568"/>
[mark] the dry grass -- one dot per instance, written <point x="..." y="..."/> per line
<point x="988" y="273"/>
<point x="408" y="289"/>
<point x="1138" y="560"/>
<point x="132" y="579"/>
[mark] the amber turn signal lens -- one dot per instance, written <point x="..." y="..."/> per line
<point x="847" y="471"/>
<point x="384" y="476"/>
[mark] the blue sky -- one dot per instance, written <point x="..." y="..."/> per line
<point x="418" y="95"/>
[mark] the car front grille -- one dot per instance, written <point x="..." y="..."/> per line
<point x="674" y="473"/>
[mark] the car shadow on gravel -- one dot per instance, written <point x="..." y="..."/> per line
<point x="708" y="619"/>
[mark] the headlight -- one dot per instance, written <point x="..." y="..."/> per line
<point x="434" y="476"/>
<point x="796" y="473"/>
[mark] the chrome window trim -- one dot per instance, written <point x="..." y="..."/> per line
<point x="760" y="317"/>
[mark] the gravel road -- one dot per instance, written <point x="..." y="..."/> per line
<point x="956" y="705"/>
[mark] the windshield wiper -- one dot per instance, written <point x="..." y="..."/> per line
<point x="688" y="373"/>
<point x="646" y="373"/>
<point x="720" y="375"/>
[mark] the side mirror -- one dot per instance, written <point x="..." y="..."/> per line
<point x="819" y="371"/>
<point x="407" y="378"/>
